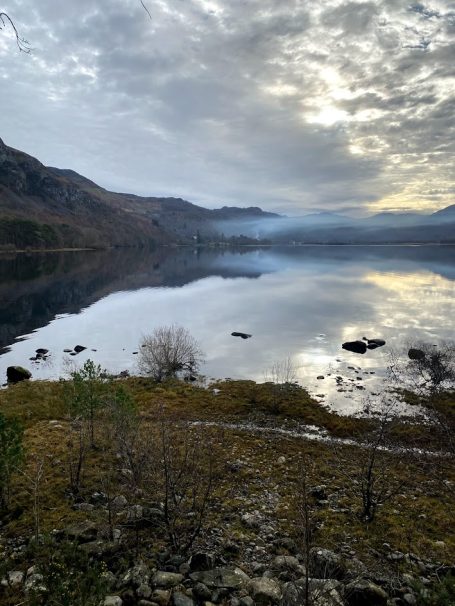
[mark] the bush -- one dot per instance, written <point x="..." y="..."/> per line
<point x="169" y="352"/>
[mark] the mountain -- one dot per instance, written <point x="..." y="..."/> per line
<point x="47" y="207"/>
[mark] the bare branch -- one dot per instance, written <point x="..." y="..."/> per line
<point x="146" y="10"/>
<point x="22" y="44"/>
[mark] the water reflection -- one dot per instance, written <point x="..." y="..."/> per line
<point x="303" y="302"/>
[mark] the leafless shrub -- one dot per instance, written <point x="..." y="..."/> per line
<point x="169" y="352"/>
<point x="35" y="478"/>
<point x="78" y="445"/>
<point x="283" y="378"/>
<point x="371" y="477"/>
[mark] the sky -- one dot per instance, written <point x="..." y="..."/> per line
<point x="295" y="106"/>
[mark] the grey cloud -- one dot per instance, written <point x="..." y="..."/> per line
<point x="219" y="102"/>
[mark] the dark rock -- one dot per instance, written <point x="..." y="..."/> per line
<point x="41" y="351"/>
<point x="242" y="335"/>
<point x="67" y="350"/>
<point x="372" y="346"/>
<point x="79" y="348"/>
<point x="416" y="354"/>
<point x="376" y="342"/>
<point x="364" y="592"/>
<point x="326" y="564"/>
<point x="100" y="549"/>
<point x="359" y="347"/>
<point x="166" y="580"/>
<point x="201" y="592"/>
<point x="15" y="374"/>
<point x="202" y="561"/>
<point x="264" y="591"/>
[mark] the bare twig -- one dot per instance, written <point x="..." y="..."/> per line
<point x="22" y="44"/>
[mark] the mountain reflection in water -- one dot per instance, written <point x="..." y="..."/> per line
<point x="301" y="302"/>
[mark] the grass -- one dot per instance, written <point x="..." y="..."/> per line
<point x="419" y="517"/>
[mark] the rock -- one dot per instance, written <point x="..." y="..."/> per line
<point x="325" y="564"/>
<point x="230" y="578"/>
<point x="34" y="582"/>
<point x="359" y="347"/>
<point x="320" y="377"/>
<point x="201" y="592"/>
<point x="166" y="580"/>
<point x="285" y="543"/>
<point x="372" y="346"/>
<point x="82" y="506"/>
<point x="364" y="592"/>
<point x="242" y="335"/>
<point x="264" y="591"/>
<point x="161" y="597"/>
<point x="84" y="532"/>
<point x="202" y="561"/>
<point x="252" y="520"/>
<point x="286" y="563"/>
<point x="322" y="592"/>
<point x="281" y="460"/>
<point x="15" y="374"/>
<point x="113" y="600"/>
<point x="79" y="348"/>
<point x="409" y="598"/>
<point x="41" y="351"/>
<point x="180" y="599"/>
<point x="137" y="575"/>
<point x="416" y="354"/>
<point x="67" y="350"/>
<point x="119" y="502"/>
<point x="144" y="591"/>
<point x="14" y="578"/>
<point x="100" y="549"/>
<point x="246" y="601"/>
<point x="319" y="492"/>
<point x="376" y="342"/>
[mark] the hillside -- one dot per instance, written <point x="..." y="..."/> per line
<point x="46" y="207"/>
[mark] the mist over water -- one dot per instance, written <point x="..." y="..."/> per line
<point x="302" y="302"/>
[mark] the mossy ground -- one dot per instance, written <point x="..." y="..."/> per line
<point x="416" y="520"/>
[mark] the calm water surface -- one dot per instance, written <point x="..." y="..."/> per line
<point x="301" y="302"/>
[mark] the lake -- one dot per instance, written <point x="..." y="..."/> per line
<point x="297" y="302"/>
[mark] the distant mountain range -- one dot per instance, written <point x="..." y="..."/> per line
<point x="46" y="207"/>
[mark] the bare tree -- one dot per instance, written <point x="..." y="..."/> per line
<point x="22" y="44"/>
<point x="169" y="352"/>
<point x="34" y="486"/>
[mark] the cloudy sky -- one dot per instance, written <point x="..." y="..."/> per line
<point x="291" y="105"/>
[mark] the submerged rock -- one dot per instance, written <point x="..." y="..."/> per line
<point x="355" y="346"/>
<point x="376" y="342"/>
<point x="242" y="335"/>
<point x="15" y="374"/>
<point x="416" y="354"/>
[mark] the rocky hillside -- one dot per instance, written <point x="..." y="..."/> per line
<point x="44" y="207"/>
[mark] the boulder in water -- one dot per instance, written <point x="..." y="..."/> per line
<point x="376" y="343"/>
<point x="15" y="374"/>
<point x="416" y="354"/>
<point x="242" y="335"/>
<point x="41" y="351"/>
<point x="79" y="348"/>
<point x="359" y="347"/>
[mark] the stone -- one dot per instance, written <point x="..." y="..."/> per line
<point x="161" y="597"/>
<point x="416" y="354"/>
<point x="201" y="592"/>
<point x="246" y="601"/>
<point x="137" y="575"/>
<point x="144" y="591"/>
<point x="79" y="348"/>
<point x="409" y="598"/>
<point x="166" y="580"/>
<point x="359" y="347"/>
<point x="252" y="520"/>
<point x="320" y="377"/>
<point x="264" y="591"/>
<point x="231" y="578"/>
<point x="15" y="374"/>
<point x="242" y="335"/>
<point x="285" y="563"/>
<point x="359" y="593"/>
<point x="325" y="564"/>
<point x="100" y="549"/>
<point x="113" y="600"/>
<point x="201" y="561"/>
<point x="376" y="342"/>
<point x="281" y="460"/>
<point x="322" y="592"/>
<point x="84" y="532"/>
<point x="180" y="599"/>
<point x="119" y="502"/>
<point x="34" y="582"/>
<point x="14" y="578"/>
